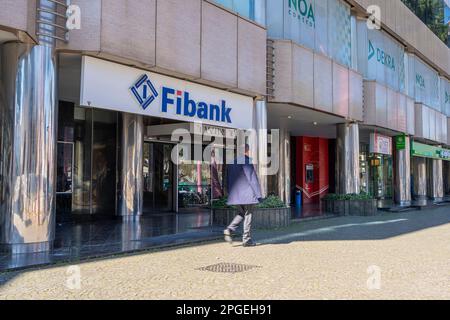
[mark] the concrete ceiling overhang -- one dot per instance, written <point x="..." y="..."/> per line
<point x="301" y="121"/>
<point x="6" y="36"/>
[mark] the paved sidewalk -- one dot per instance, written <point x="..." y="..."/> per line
<point x="393" y="256"/>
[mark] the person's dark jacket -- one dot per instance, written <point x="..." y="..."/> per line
<point x="243" y="183"/>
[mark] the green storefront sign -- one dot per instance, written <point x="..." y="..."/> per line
<point x="400" y="142"/>
<point x="426" y="151"/>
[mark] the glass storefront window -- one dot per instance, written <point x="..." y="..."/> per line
<point x="158" y="177"/>
<point x="82" y="162"/>
<point x="199" y="182"/>
<point x="376" y="173"/>
<point x="87" y="161"/>
<point x="65" y="158"/>
<point x="250" y="9"/>
<point x="446" y="170"/>
<point x="104" y="155"/>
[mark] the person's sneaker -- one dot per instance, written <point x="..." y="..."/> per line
<point x="228" y="236"/>
<point x="249" y="243"/>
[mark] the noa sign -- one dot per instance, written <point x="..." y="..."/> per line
<point x="420" y="81"/>
<point x="303" y="10"/>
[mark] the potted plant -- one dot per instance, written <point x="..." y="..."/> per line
<point x="270" y="213"/>
<point x="351" y="204"/>
<point x="335" y="203"/>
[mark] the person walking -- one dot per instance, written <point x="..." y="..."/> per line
<point x="244" y="192"/>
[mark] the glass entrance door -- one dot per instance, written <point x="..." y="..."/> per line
<point x="158" y="178"/>
<point x="381" y="177"/>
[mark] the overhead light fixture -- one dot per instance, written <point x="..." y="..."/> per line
<point x="315" y="123"/>
<point x="289" y="117"/>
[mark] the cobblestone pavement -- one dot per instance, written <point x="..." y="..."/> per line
<point x="393" y="256"/>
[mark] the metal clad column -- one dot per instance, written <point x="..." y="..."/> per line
<point x="261" y="127"/>
<point x="348" y="158"/>
<point x="436" y="180"/>
<point x="28" y="126"/>
<point x="132" y="184"/>
<point x="419" y="170"/>
<point x="403" y="176"/>
<point x="284" y="172"/>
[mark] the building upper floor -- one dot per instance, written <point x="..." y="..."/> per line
<point x="330" y="55"/>
<point x="208" y="42"/>
<point x="327" y="55"/>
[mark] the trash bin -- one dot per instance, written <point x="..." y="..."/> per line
<point x="298" y="199"/>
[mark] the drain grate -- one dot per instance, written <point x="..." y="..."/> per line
<point x="224" y="267"/>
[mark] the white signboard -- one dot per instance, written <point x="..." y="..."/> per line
<point x="380" y="144"/>
<point x="113" y="86"/>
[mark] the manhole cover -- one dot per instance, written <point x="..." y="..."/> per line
<point x="228" y="267"/>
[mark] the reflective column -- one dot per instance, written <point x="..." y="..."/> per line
<point x="132" y="185"/>
<point x="403" y="176"/>
<point x="28" y="126"/>
<point x="261" y="128"/>
<point x="436" y="181"/>
<point x="284" y="172"/>
<point x="419" y="172"/>
<point x="347" y="143"/>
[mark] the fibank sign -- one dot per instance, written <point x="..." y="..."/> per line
<point x="113" y="86"/>
<point x="302" y="10"/>
<point x="179" y="102"/>
<point x="381" y="56"/>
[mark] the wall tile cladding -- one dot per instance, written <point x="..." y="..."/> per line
<point x="388" y="108"/>
<point x="19" y="15"/>
<point x="315" y="81"/>
<point x="431" y="124"/>
<point x="192" y="39"/>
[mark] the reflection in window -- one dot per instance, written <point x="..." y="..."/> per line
<point x="64" y="167"/>
<point x="104" y="162"/>
<point x="82" y="162"/>
<point x="250" y="9"/>
<point x="201" y="181"/>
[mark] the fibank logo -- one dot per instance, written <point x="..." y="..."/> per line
<point x="382" y="57"/>
<point x="188" y="107"/>
<point x="420" y="81"/>
<point x="303" y="11"/>
<point x="144" y="91"/>
<point x="179" y="102"/>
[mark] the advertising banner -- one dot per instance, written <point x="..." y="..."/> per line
<point x="380" y="144"/>
<point x="321" y="25"/>
<point x="445" y="96"/>
<point x="423" y="83"/>
<point x="380" y="57"/>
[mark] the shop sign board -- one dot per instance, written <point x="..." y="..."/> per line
<point x="400" y="142"/>
<point x="113" y="86"/>
<point x="380" y="144"/>
<point x="427" y="151"/>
